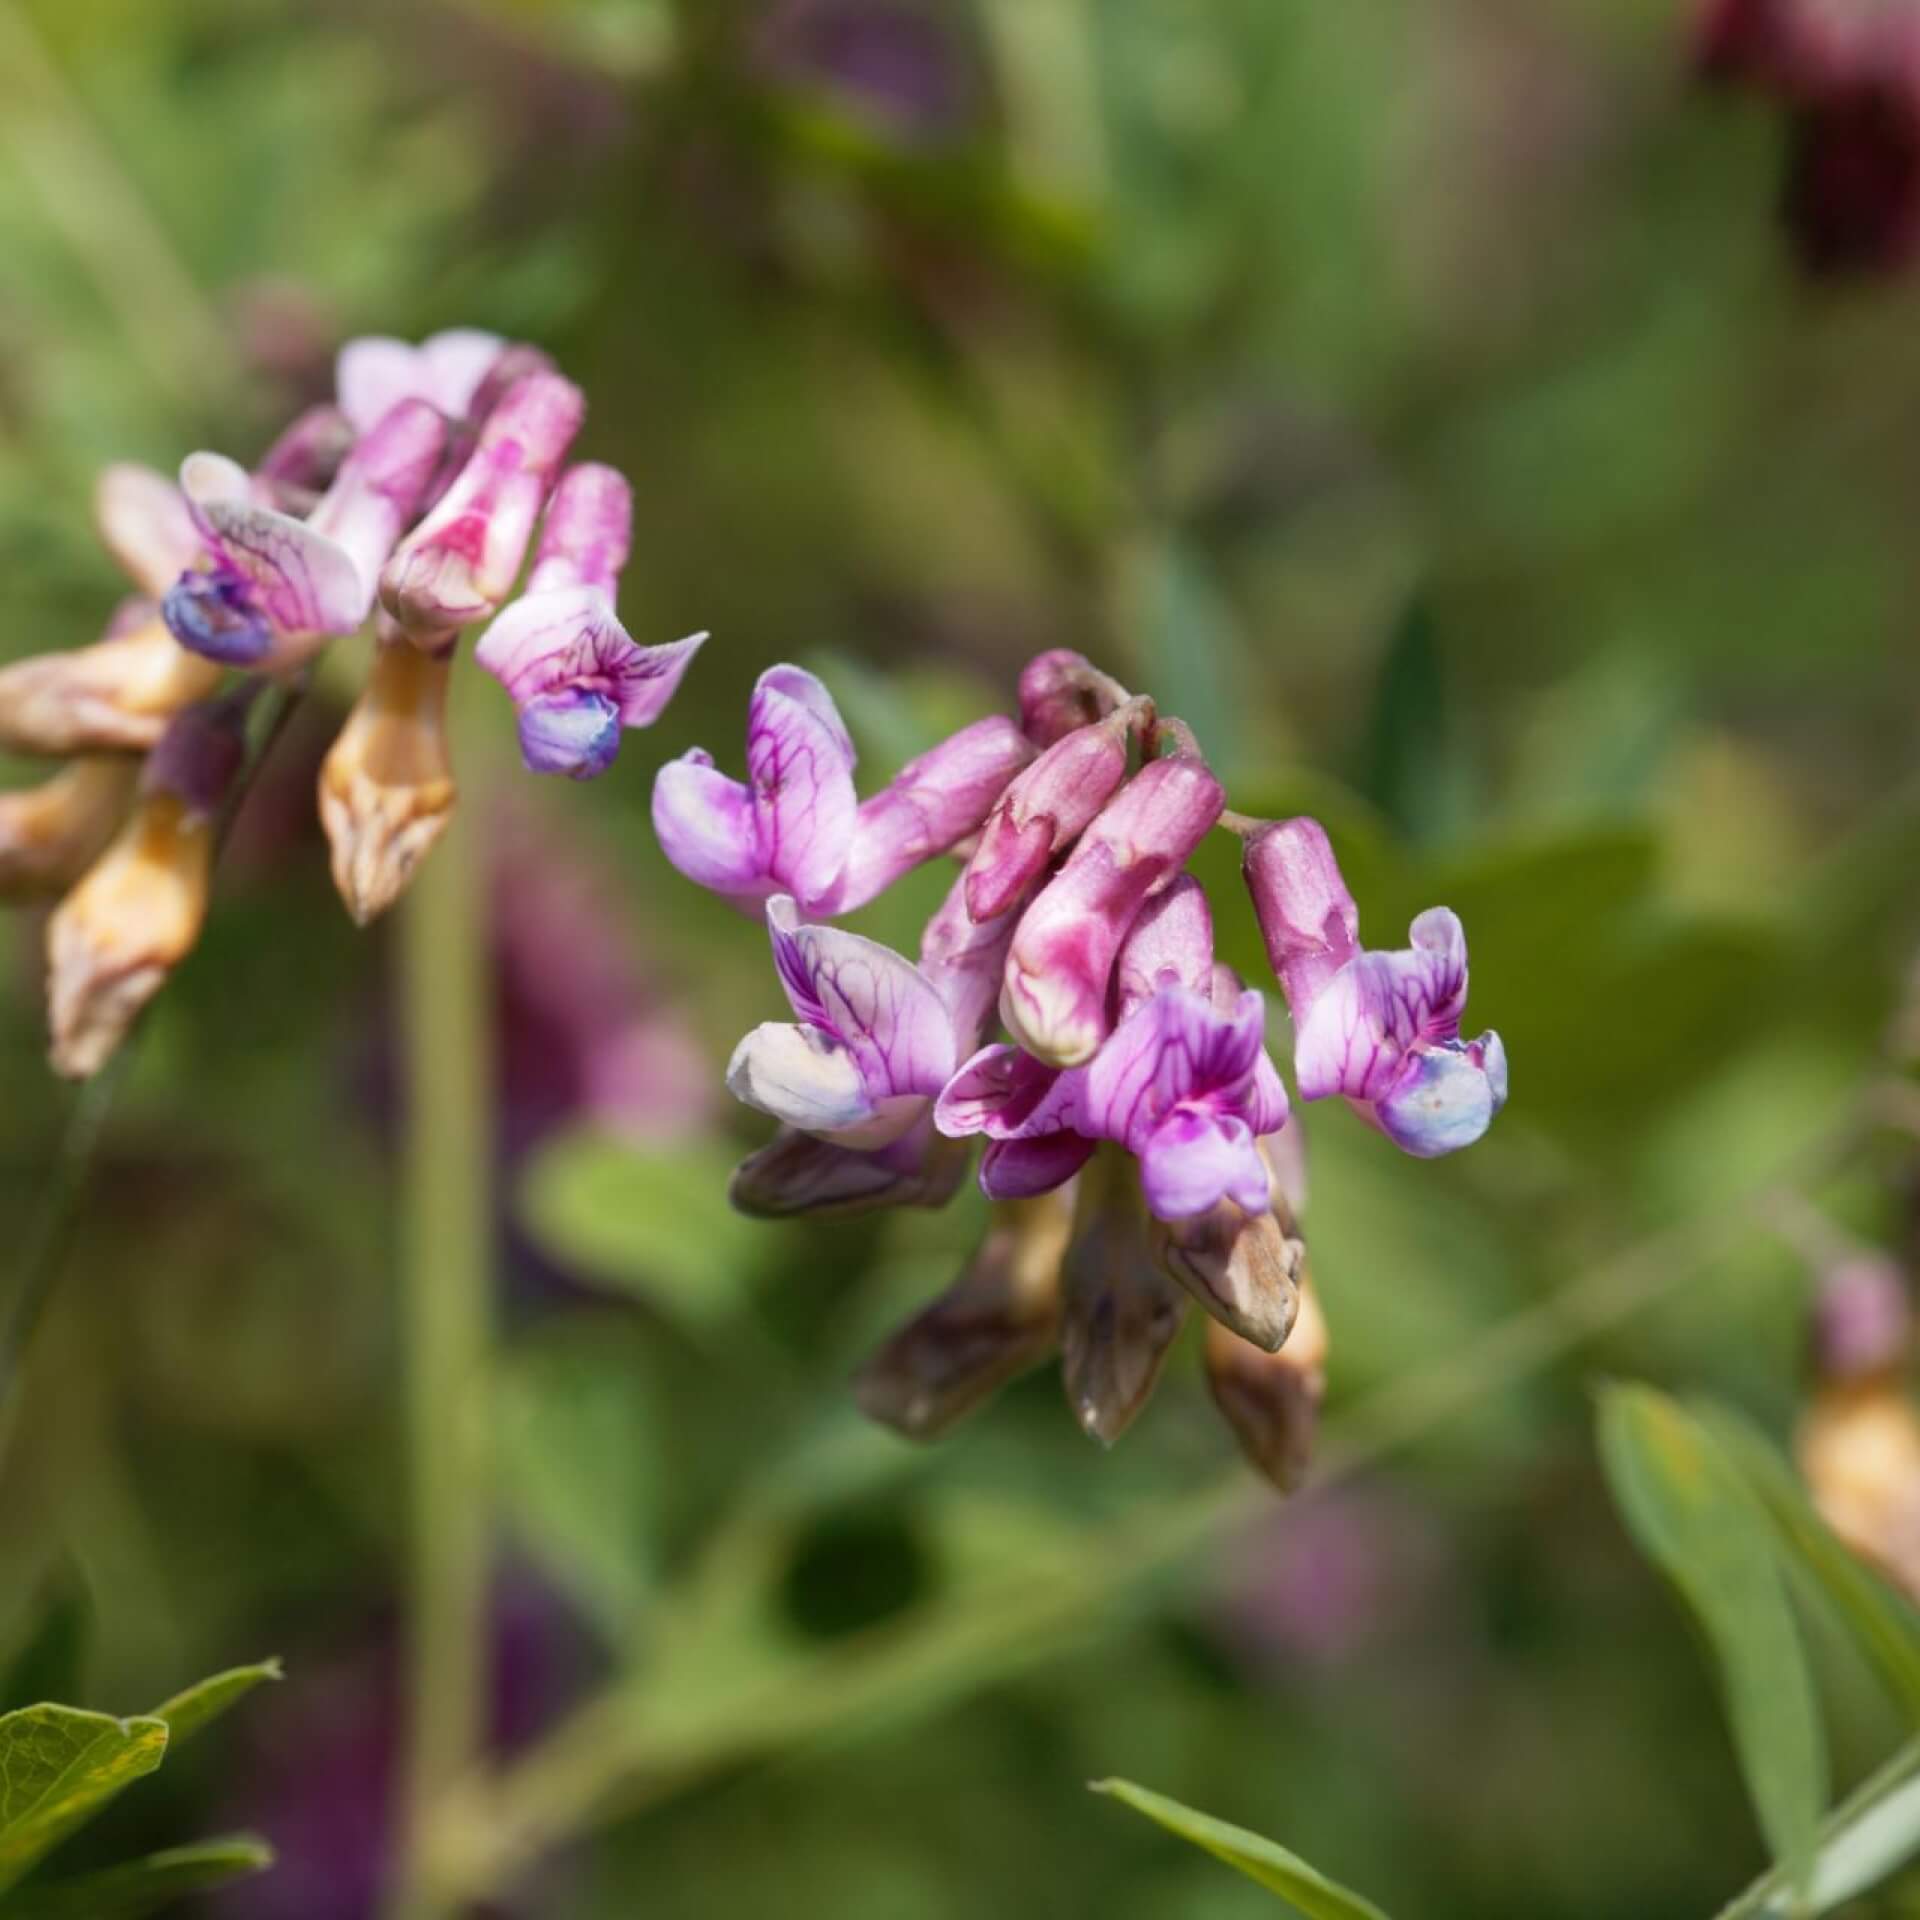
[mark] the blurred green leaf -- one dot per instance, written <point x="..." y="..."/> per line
<point x="1263" y="1860"/>
<point x="47" y="1664"/>
<point x="58" y="1767"/>
<point x="655" y="1224"/>
<point x="1883" y="1621"/>
<point x="578" y="1456"/>
<point x="144" y="1886"/>
<point x="1416" y="772"/>
<point x="1693" y="1516"/>
<point x="187" y="1712"/>
<point x="1187" y="637"/>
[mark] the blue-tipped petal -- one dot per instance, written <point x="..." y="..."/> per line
<point x="214" y="615"/>
<point x="1445" y="1096"/>
<point x="572" y="731"/>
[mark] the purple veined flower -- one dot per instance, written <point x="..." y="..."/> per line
<point x="279" y="588"/>
<point x="460" y="563"/>
<point x="797" y="825"/>
<point x="374" y="373"/>
<point x="1381" y="1028"/>
<point x="877" y="1037"/>
<point x="1054" y="998"/>
<point x="574" y="673"/>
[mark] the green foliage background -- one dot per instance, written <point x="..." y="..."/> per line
<point x="1419" y="398"/>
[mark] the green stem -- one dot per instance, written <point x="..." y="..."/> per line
<point x="448" y="1243"/>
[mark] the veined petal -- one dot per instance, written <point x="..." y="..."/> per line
<point x="800" y="767"/>
<point x="374" y="373"/>
<point x="869" y="999"/>
<point x="1170" y="1049"/>
<point x="1378" y="1006"/>
<point x="1025" y="1169"/>
<point x="809" y="1080"/>
<point x="704" y="823"/>
<point x="1198" y="1157"/>
<point x="1006" y="1094"/>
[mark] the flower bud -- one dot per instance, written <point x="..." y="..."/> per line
<point x="588" y="532"/>
<point x="933" y="804"/>
<point x="1061" y="691"/>
<point x="1120" y="1313"/>
<point x="1243" y="1268"/>
<point x="460" y="563"/>
<point x="1272" y="1400"/>
<point x="795" y="1174"/>
<point x="386" y="787"/>
<point x="1170" y="944"/>
<point x="1045" y="810"/>
<point x="1307" y="917"/>
<point x="1001" y="1317"/>
<point x="116" y="695"/>
<point x="1054" y="997"/>
<point x="51" y="834"/>
<point x="306" y="458"/>
<point x="112" y="942"/>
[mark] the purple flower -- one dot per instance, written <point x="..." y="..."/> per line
<point x="375" y="373"/>
<point x="797" y="826"/>
<point x="1061" y="690"/>
<point x="459" y="564"/>
<point x="277" y="588"/>
<point x="575" y="675"/>
<point x="877" y="1037"/>
<point x="1382" y="1028"/>
<point x="1184" y="1084"/>
<point x="1054" y="999"/>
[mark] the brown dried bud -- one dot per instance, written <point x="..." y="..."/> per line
<point x="134" y="917"/>
<point x="52" y="833"/>
<point x="1243" y="1268"/>
<point x="1859" y="1451"/>
<point x="386" y="787"/>
<point x="1121" y="1313"/>
<point x="114" y="696"/>
<point x="999" y="1318"/>
<point x="795" y="1174"/>
<point x="1272" y="1400"/>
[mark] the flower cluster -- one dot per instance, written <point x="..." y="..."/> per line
<point x="1848" y="77"/>
<point x="411" y="501"/>
<point x="1137" y="1145"/>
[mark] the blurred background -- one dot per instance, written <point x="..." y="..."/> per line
<point x="1486" y="432"/>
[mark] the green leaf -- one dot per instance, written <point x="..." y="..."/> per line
<point x="144" y="1886"/>
<point x="1882" y="1621"/>
<point x="1691" y="1513"/>
<point x="579" y="1463"/>
<point x="58" y="1767"/>
<point x="1416" y="771"/>
<point x="186" y="1713"/>
<point x="47" y="1664"/>
<point x="656" y="1224"/>
<point x="1265" y="1861"/>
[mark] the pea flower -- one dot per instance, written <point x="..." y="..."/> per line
<point x="375" y="373"/>
<point x="576" y="676"/>
<point x="1382" y="1028"/>
<point x="797" y="826"/>
<point x="278" y="588"/>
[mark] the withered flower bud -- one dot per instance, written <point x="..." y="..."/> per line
<point x="386" y="787"/>
<point x="795" y="1174"/>
<point x="114" y="696"/>
<point x="51" y="834"/>
<point x="999" y="1318"/>
<point x="1272" y="1400"/>
<point x="135" y="915"/>
<point x="1121" y="1313"/>
<point x="1243" y="1268"/>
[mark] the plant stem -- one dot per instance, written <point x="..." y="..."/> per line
<point x="446" y="1318"/>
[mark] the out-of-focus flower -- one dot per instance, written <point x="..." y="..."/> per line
<point x="386" y="787"/>
<point x="1848" y="78"/>
<point x="1858" y="1441"/>
<point x="120" y="692"/>
<point x="1271" y="1400"/>
<point x="374" y="373"/>
<point x="459" y="564"/>
<point x="51" y="834"/>
<point x="305" y="460"/>
<point x="1000" y="1318"/>
<point x="901" y="64"/>
<point x="797" y="826"/>
<point x="136" y="914"/>
<point x="1382" y="1028"/>
<point x="278" y="588"/>
<point x="576" y="676"/>
<point x="1054" y="997"/>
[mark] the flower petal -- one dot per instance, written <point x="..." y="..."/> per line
<point x="143" y="521"/>
<point x="704" y="823"/>
<point x="1007" y="1095"/>
<point x="795" y="1174"/>
<point x="1378" y="1006"/>
<point x="871" y="1000"/>
<point x="809" y="1080"/>
<point x="571" y="731"/>
<point x="1024" y="1169"/>
<point x="800" y="767"/>
<point x="1198" y="1157"/>
<point x="1445" y="1096"/>
<point x="1171" y="1049"/>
